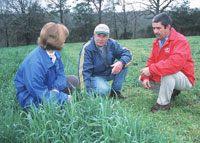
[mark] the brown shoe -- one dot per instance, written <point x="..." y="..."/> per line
<point x="118" y="93"/>
<point x="175" y="93"/>
<point x="158" y="107"/>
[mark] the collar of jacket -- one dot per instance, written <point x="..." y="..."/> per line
<point x="172" y="36"/>
<point x="46" y="58"/>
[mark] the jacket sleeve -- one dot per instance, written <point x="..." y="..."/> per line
<point x="175" y="62"/>
<point x="123" y="54"/>
<point x="34" y="80"/>
<point x="85" y="69"/>
<point x="60" y="83"/>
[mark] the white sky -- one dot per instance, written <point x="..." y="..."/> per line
<point x="193" y="3"/>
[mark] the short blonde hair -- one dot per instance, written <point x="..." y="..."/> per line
<point x="53" y="36"/>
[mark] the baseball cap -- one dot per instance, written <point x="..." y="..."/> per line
<point x="102" y="29"/>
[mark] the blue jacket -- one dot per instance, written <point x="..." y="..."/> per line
<point x="92" y="63"/>
<point x="36" y="76"/>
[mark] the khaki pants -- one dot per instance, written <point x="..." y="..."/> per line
<point x="168" y="83"/>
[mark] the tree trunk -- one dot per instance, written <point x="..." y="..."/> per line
<point x="135" y="25"/>
<point x="61" y="11"/>
<point x="125" y="20"/>
<point x="100" y="2"/>
<point x="7" y="38"/>
<point x="158" y="7"/>
<point x="115" y="22"/>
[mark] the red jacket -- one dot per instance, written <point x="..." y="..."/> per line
<point x="174" y="56"/>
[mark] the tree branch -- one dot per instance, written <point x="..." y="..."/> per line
<point x="166" y="5"/>
<point x="97" y="8"/>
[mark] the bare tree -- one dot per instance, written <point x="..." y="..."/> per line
<point x="124" y="19"/>
<point x="20" y="6"/>
<point x="111" y="5"/>
<point x="115" y="21"/>
<point x="5" y="20"/>
<point x="60" y="6"/>
<point x="98" y="5"/>
<point x="154" y="7"/>
<point x="28" y="18"/>
<point x="135" y="15"/>
<point x="84" y="21"/>
<point x="22" y="21"/>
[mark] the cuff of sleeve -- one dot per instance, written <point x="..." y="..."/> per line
<point x="61" y="97"/>
<point x="143" y="78"/>
<point x="123" y="62"/>
<point x="59" y="86"/>
<point x="150" y="70"/>
<point x="55" y="87"/>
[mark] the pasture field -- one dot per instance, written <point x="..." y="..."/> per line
<point x="99" y="119"/>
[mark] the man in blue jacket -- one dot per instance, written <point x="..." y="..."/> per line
<point x="103" y="59"/>
<point x="41" y="77"/>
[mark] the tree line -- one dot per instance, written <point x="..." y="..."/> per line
<point x="22" y="20"/>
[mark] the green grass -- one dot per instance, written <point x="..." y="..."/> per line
<point x="88" y="119"/>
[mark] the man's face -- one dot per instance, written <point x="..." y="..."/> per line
<point x="101" y="39"/>
<point x="160" y="31"/>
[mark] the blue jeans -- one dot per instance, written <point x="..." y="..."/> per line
<point x="100" y="85"/>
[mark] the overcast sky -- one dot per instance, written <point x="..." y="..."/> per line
<point x="193" y="3"/>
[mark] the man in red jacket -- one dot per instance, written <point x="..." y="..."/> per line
<point x="170" y="68"/>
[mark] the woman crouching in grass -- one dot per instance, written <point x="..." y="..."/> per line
<point x="41" y="77"/>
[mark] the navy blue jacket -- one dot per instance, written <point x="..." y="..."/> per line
<point x="92" y="62"/>
<point x="36" y="76"/>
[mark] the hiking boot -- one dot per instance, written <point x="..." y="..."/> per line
<point x="159" y="107"/>
<point x="175" y="93"/>
<point x="118" y="93"/>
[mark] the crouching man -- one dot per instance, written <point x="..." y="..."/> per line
<point x="170" y="68"/>
<point x="97" y="64"/>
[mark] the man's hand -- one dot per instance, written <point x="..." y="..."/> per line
<point x="117" y="67"/>
<point x="146" y="83"/>
<point x="145" y="72"/>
